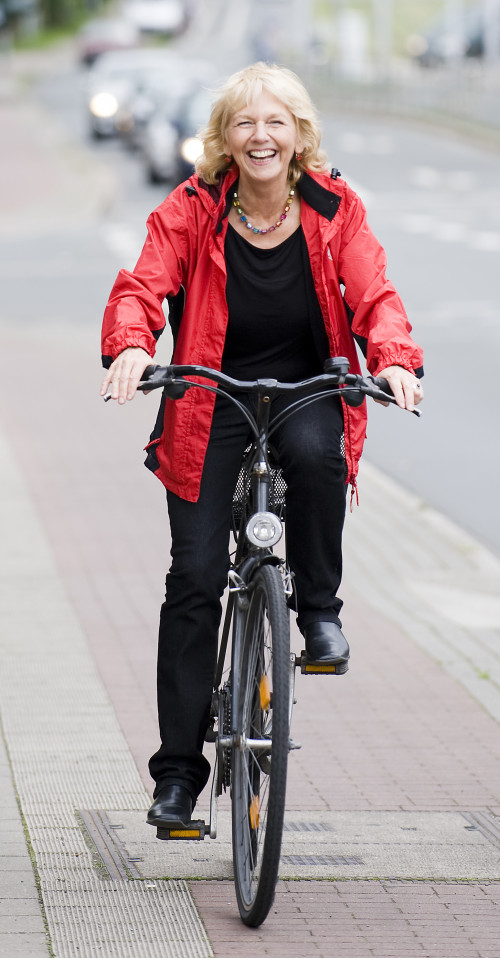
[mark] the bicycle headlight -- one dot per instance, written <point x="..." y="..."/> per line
<point x="264" y="529"/>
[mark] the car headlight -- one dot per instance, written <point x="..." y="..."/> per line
<point x="103" y="105"/>
<point x="264" y="529"/>
<point x="191" y="149"/>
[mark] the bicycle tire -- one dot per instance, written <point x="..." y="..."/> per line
<point x="258" y="780"/>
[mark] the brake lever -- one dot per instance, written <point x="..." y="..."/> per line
<point x="388" y="396"/>
<point x="153" y="377"/>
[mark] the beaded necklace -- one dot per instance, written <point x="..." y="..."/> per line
<point x="270" y="229"/>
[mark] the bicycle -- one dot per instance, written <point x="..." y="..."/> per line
<point x="252" y="700"/>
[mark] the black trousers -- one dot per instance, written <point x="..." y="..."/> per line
<point x="308" y="446"/>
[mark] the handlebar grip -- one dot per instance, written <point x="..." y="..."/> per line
<point x="149" y="372"/>
<point x="382" y="384"/>
<point x="155" y="377"/>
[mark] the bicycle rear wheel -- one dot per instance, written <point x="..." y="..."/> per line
<point x="259" y="771"/>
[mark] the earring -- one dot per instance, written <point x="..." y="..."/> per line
<point x="228" y="159"/>
<point x="298" y="156"/>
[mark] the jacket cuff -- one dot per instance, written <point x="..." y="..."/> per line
<point x="398" y="360"/>
<point x="113" y="350"/>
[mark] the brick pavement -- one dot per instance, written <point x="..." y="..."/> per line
<point x="397" y="733"/>
<point x="357" y="919"/>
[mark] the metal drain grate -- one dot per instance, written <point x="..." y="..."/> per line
<point x="109" y="848"/>
<point x="486" y="824"/>
<point x="306" y="827"/>
<point x="328" y="860"/>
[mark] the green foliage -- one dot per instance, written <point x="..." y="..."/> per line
<point x="409" y="17"/>
<point x="62" y="13"/>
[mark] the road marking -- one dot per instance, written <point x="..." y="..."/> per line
<point x="424" y="224"/>
<point x="380" y="144"/>
<point x="461" y="180"/>
<point x="487" y="242"/>
<point x="425" y="177"/>
<point x="418" y="223"/>
<point x="450" y="232"/>
<point x="429" y="178"/>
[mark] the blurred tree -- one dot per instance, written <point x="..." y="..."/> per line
<point x="64" y="13"/>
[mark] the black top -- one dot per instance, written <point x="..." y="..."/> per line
<point x="275" y="327"/>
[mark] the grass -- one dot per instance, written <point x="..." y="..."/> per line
<point x="47" y="37"/>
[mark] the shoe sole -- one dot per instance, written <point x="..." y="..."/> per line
<point x="168" y="822"/>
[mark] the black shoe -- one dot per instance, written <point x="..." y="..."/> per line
<point x="325" y="643"/>
<point x="172" y="806"/>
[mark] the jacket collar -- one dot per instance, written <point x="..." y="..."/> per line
<point x="315" y="188"/>
<point x="213" y="197"/>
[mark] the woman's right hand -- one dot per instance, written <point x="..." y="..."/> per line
<point x="125" y="373"/>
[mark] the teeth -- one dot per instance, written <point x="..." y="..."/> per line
<point x="261" y="154"/>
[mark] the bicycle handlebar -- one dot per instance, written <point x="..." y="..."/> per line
<point x="353" y="387"/>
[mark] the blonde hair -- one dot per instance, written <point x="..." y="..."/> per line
<point x="241" y="89"/>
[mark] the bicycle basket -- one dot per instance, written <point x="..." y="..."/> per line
<point x="277" y="489"/>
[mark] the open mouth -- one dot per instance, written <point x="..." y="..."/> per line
<point x="261" y="154"/>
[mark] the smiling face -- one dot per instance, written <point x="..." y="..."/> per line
<point x="262" y="139"/>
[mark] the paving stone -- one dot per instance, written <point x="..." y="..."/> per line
<point x="23" y="945"/>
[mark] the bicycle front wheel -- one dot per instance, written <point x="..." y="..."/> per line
<point x="260" y="753"/>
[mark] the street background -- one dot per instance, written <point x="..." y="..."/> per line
<point x="413" y="729"/>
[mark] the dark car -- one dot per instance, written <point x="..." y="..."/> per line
<point x="159" y="90"/>
<point x="194" y="115"/>
<point x="170" y="144"/>
<point x="113" y="79"/>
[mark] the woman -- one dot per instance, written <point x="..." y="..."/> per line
<point x="251" y="253"/>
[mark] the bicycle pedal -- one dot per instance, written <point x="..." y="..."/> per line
<point x="320" y="668"/>
<point x="193" y="831"/>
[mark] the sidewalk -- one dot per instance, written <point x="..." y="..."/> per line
<point x="392" y="844"/>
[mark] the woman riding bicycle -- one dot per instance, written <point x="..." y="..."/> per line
<point x="269" y="268"/>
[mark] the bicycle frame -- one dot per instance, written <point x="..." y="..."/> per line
<point x="249" y="557"/>
<point x="253" y="706"/>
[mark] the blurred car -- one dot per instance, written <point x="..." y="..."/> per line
<point x="170" y="145"/>
<point x="189" y="147"/>
<point x="114" y="77"/>
<point x="159" y="145"/>
<point x="102" y="36"/>
<point x="452" y="38"/>
<point x="159" y="89"/>
<point x="166" y="17"/>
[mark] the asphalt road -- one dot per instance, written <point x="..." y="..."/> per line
<point x="434" y="202"/>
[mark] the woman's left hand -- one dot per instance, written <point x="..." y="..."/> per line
<point x="407" y="389"/>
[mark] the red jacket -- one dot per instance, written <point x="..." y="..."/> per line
<point x="183" y="260"/>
